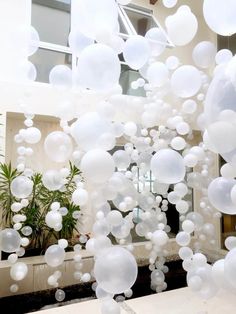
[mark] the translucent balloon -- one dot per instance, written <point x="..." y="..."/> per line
<point x="122" y="159"/>
<point x="10" y="240"/>
<point x="220" y="17"/>
<point x="172" y="62"/>
<point x="103" y="14"/>
<point x="160" y="238"/>
<point x="119" y="273"/>
<point x="183" y="238"/>
<point x="178" y="143"/>
<point x="219" y="194"/>
<point x="52" y="180"/>
<point x="168" y="166"/>
<point x="230" y="243"/>
<point x="80" y="197"/>
<point x="230" y="267"/>
<point x="223" y="56"/>
<point x="21" y="187"/>
<point x="53" y="219"/>
<point x="58" y="146"/>
<point x="60" y="295"/>
<point x="204" y="54"/>
<point x="169" y="3"/>
<point x="78" y="42"/>
<point x="97" y="166"/>
<point x="19" y="271"/>
<point x="157" y="41"/>
<point x="182" y="26"/>
<point x="54" y="255"/>
<point x="26" y="71"/>
<point x="61" y="76"/>
<point x="185" y="252"/>
<point x="98" y="68"/>
<point x="32" y="135"/>
<point x="188" y="226"/>
<point x="157" y="74"/>
<point x="114" y="218"/>
<point x="186" y="81"/>
<point x="221" y="136"/>
<point x="136" y="52"/>
<point x="89" y="130"/>
<point x="189" y="106"/>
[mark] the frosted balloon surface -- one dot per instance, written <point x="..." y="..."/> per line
<point x="21" y="187"/>
<point x="219" y="194"/>
<point x="32" y="135"/>
<point x="157" y="74"/>
<point x="182" y="26"/>
<point x="61" y="76"/>
<point x="89" y="130"/>
<point x="186" y="81"/>
<point x="220" y="16"/>
<point x="54" y="255"/>
<point x="78" y="42"/>
<point x="52" y="180"/>
<point x="19" y="271"/>
<point x="97" y="166"/>
<point x="58" y="146"/>
<point x="204" y="54"/>
<point x="157" y="41"/>
<point x="119" y="273"/>
<point x="10" y="240"/>
<point x="94" y="17"/>
<point x="168" y="166"/>
<point x="136" y="52"/>
<point x="98" y="68"/>
<point x="169" y="3"/>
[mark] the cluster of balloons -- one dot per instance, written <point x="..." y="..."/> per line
<point x="137" y="154"/>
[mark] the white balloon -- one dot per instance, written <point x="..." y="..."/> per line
<point x="19" y="271"/>
<point x="169" y="3"/>
<point x="204" y="54"/>
<point x="61" y="76"/>
<point x="186" y="81"/>
<point x="125" y="267"/>
<point x="136" y="52"/>
<point x="220" y="16"/>
<point x="58" y="146"/>
<point x="21" y="187"/>
<point x="182" y="26"/>
<point x="157" y="41"/>
<point x="157" y="74"/>
<point x="78" y="42"/>
<point x="97" y="166"/>
<point x="219" y="194"/>
<point x="98" y="68"/>
<point x="32" y="135"/>
<point x="10" y="240"/>
<point x="54" y="255"/>
<point x="168" y="166"/>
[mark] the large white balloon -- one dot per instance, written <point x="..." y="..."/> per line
<point x="54" y="255"/>
<point x="89" y="130"/>
<point x="204" y="54"/>
<point x="220" y="16"/>
<point x="98" y="68"/>
<point x="10" y="240"/>
<point x="93" y="17"/>
<point x="97" y="166"/>
<point x="118" y="273"/>
<point x="58" y="146"/>
<point x="78" y="42"/>
<point x="19" y="271"/>
<point x="61" y="76"/>
<point x="136" y="52"/>
<point x="219" y="194"/>
<point x="182" y="26"/>
<point x="157" y="41"/>
<point x="168" y="166"/>
<point x="21" y="187"/>
<point x="186" y="81"/>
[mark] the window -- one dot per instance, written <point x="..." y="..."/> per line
<point x="52" y="20"/>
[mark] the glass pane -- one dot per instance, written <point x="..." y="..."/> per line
<point x="51" y="19"/>
<point x="141" y="21"/>
<point x="123" y="29"/>
<point x="126" y="78"/>
<point x="45" y="60"/>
